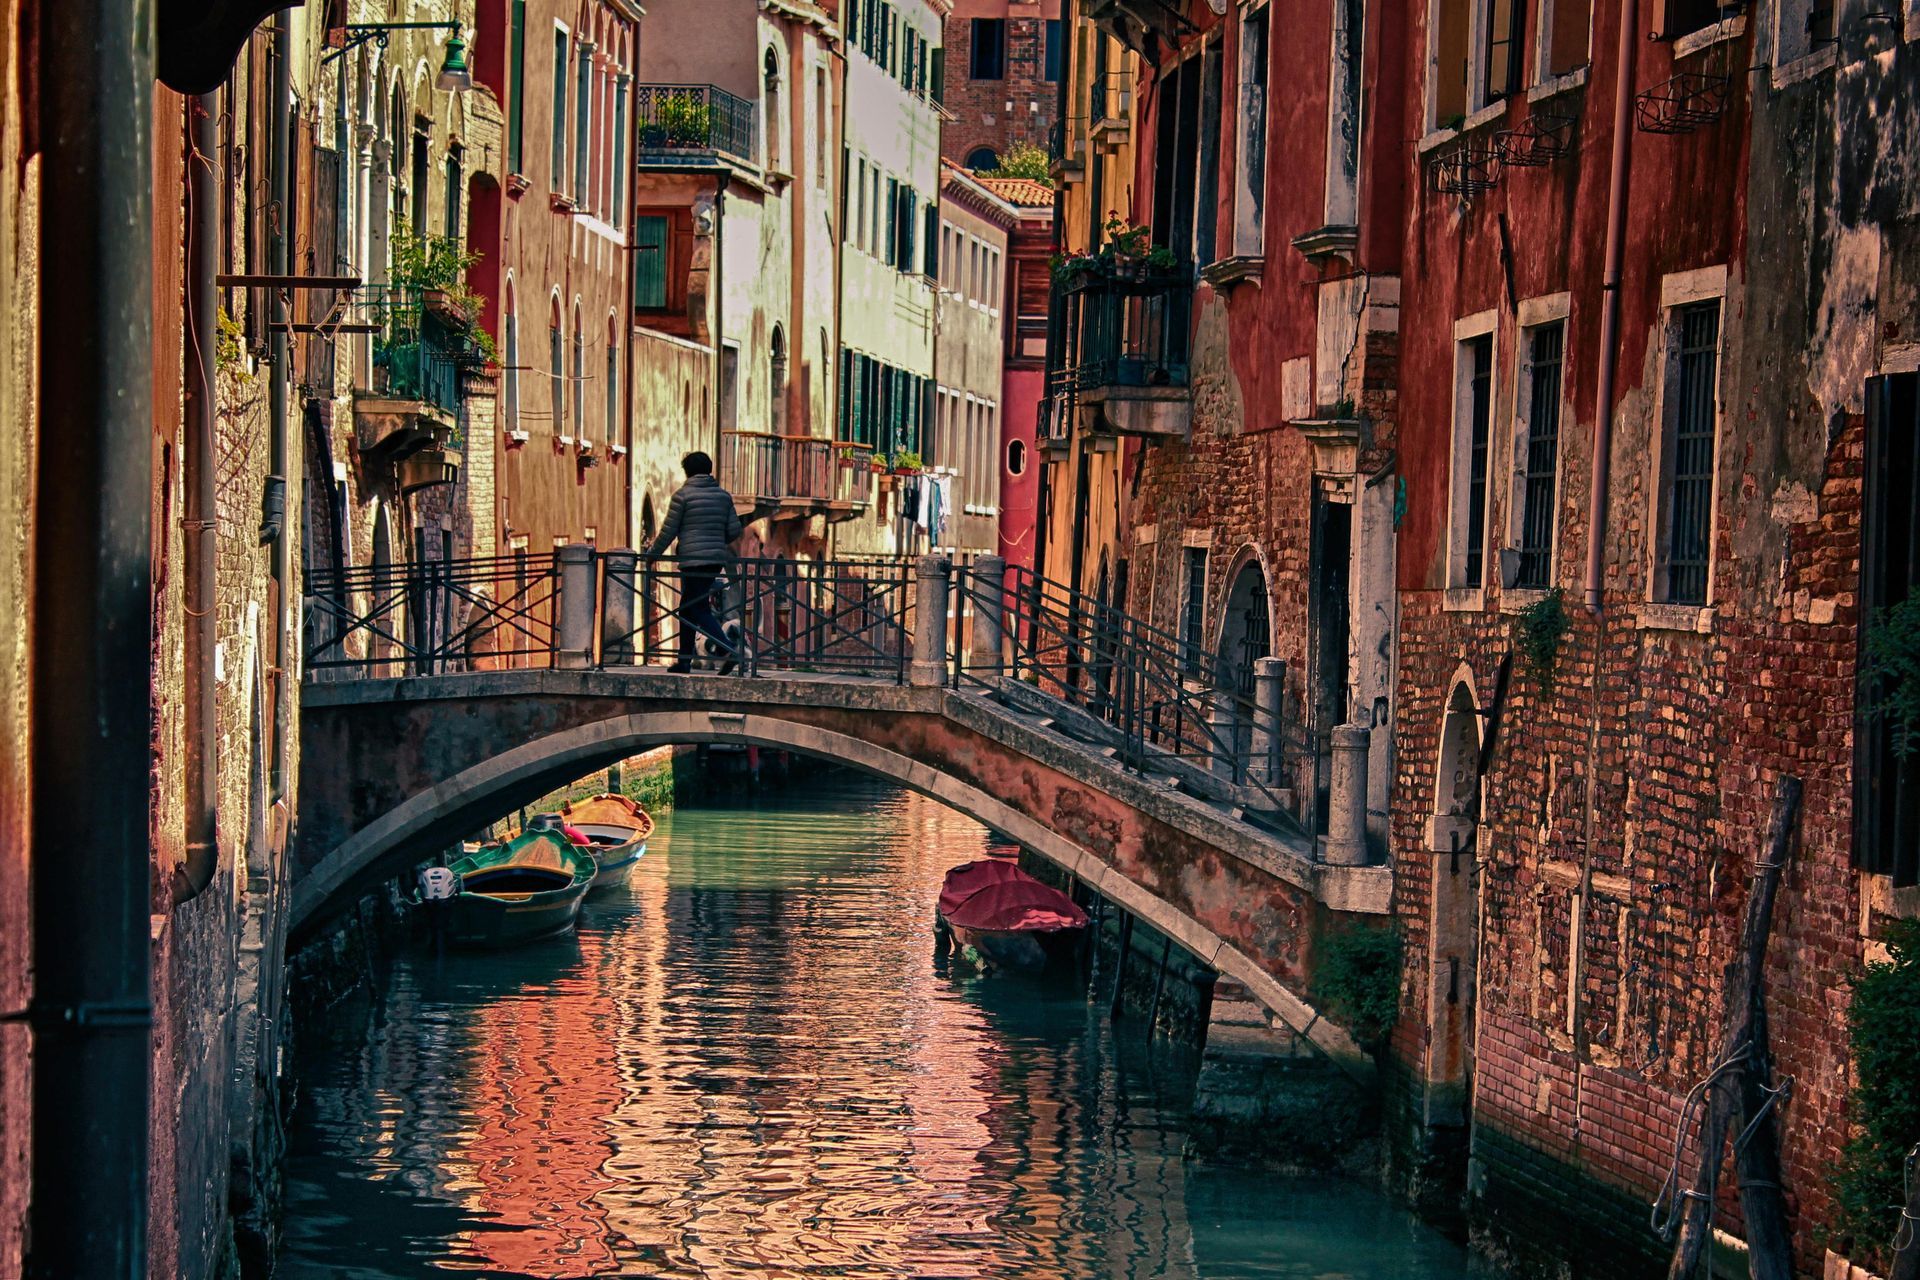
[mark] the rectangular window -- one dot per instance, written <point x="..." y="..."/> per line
<point x="557" y="368"/>
<point x="1249" y="218"/>
<point x="932" y="265"/>
<point x="517" y="90"/>
<point x="455" y="182"/>
<point x="1546" y="346"/>
<point x="1692" y="420"/>
<point x="729" y="387"/>
<point x="937" y="74"/>
<point x="1449" y="24"/>
<point x="1565" y="31"/>
<point x="988" y="54"/>
<point x="1193" y="610"/>
<point x="1886" y="780"/>
<point x="822" y="144"/>
<point x="846" y="383"/>
<point x="579" y="382"/>
<point x="583" y="124"/>
<point x="1051" y="56"/>
<point x="1675" y="18"/>
<point x="1473" y="414"/>
<point x="859" y="225"/>
<point x="558" y="175"/>
<point x="649" y="263"/>
<point x="1206" y="214"/>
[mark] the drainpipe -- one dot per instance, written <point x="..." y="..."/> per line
<point x="192" y="877"/>
<point x="719" y="307"/>
<point x="92" y="623"/>
<point x="273" y="525"/>
<point x="1610" y="307"/>
<point x="799" y="202"/>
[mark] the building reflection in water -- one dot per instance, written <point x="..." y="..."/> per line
<point x="751" y="1065"/>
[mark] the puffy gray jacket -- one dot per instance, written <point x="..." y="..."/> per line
<point x="702" y="518"/>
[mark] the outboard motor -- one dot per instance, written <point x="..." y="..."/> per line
<point x="438" y="884"/>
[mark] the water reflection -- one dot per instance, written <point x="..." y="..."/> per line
<point x="749" y="1065"/>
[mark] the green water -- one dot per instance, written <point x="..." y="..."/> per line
<point x="749" y="1064"/>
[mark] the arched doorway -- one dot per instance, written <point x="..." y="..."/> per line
<point x="1246" y="636"/>
<point x="1454" y="931"/>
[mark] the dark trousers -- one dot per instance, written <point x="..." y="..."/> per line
<point x="696" y="609"/>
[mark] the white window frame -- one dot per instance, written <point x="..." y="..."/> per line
<point x="1678" y="290"/>
<point x="1541" y="74"/>
<point x="561" y="156"/>
<point x="1459" y="595"/>
<point x="1531" y="314"/>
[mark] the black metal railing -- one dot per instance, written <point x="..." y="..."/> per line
<point x="421" y="347"/>
<point x="1123" y="326"/>
<point x="844" y="617"/>
<point x="431" y="617"/>
<point x="676" y="119"/>
<point x="1136" y="690"/>
<point x="764" y="467"/>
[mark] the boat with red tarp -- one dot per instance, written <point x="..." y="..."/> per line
<point x="1007" y="919"/>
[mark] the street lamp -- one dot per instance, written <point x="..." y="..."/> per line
<point x="454" y="77"/>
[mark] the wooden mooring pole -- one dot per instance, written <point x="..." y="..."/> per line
<point x="1742" y="1087"/>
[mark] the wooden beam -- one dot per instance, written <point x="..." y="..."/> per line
<point x="261" y="280"/>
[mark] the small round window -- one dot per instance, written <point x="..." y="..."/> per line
<point x="1016" y="457"/>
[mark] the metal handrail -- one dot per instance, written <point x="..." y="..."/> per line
<point x="681" y="118"/>
<point x="431" y="617"/>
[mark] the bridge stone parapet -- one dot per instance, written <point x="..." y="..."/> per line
<point x="416" y="763"/>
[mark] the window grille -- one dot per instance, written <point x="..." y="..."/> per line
<point x="1886" y="780"/>
<point x="1690" y="491"/>
<point x="1193" y="616"/>
<point x="1546" y="347"/>
<point x="1479" y="418"/>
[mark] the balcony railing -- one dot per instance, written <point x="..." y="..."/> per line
<point x="773" y="470"/>
<point x="678" y="121"/>
<point x="1124" y="328"/>
<point x="420" y="349"/>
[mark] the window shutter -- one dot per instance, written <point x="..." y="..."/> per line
<point x="932" y="245"/>
<point x="649" y="263"/>
<point x="938" y="75"/>
<point x="518" y="90"/>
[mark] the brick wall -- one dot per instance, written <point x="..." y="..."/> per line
<point x="980" y="114"/>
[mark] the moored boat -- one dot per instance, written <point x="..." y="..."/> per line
<point x="525" y="888"/>
<point x="616" y="829"/>
<point x="1006" y="918"/>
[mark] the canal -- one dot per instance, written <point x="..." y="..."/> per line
<point x="749" y="1064"/>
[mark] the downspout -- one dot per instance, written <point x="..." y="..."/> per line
<point x="196" y="872"/>
<point x="1610" y="307"/>
<point x="273" y="525"/>
<point x="92" y="622"/>
<point x="719" y="306"/>
<point x="797" y="340"/>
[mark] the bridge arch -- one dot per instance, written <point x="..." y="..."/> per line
<point x="465" y="799"/>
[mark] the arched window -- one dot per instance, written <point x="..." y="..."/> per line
<point x="613" y="380"/>
<point x="772" y="100"/>
<point x="579" y="374"/>
<point x="983" y="160"/>
<point x="777" y="378"/>
<point x="510" y="339"/>
<point x="557" y="368"/>
<point x="1016" y="457"/>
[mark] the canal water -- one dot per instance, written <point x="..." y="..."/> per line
<point x="750" y="1065"/>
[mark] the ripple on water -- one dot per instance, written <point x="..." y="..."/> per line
<point x="748" y="1065"/>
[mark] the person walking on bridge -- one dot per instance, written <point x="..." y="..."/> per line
<point x="701" y="519"/>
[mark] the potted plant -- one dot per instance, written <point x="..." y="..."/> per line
<point x="906" y="463"/>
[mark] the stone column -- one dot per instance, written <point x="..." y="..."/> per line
<point x="1223" y="731"/>
<point x="929" y="668"/>
<point x="617" y="608"/>
<point x="573" y="606"/>
<point x="1269" y="704"/>
<point x="987" y="659"/>
<point x="1347" y="797"/>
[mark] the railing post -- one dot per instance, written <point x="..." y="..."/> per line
<point x="617" y="608"/>
<point x="1347" y="797"/>
<point x="929" y="669"/>
<point x="1269" y="705"/>
<point x="574" y="608"/>
<point x="987" y="658"/>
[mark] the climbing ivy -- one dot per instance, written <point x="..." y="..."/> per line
<point x="1882" y="1018"/>
<point x="1356" y="981"/>
<point x="1543" y="625"/>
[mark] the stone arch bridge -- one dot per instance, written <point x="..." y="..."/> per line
<point x="407" y="756"/>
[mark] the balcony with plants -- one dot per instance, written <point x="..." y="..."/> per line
<point x="1121" y="325"/>
<point x="426" y="338"/>
<point x="693" y="124"/>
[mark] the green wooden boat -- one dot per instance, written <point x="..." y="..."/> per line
<point x="525" y="888"/>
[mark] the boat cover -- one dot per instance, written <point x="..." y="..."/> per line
<point x="996" y="895"/>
